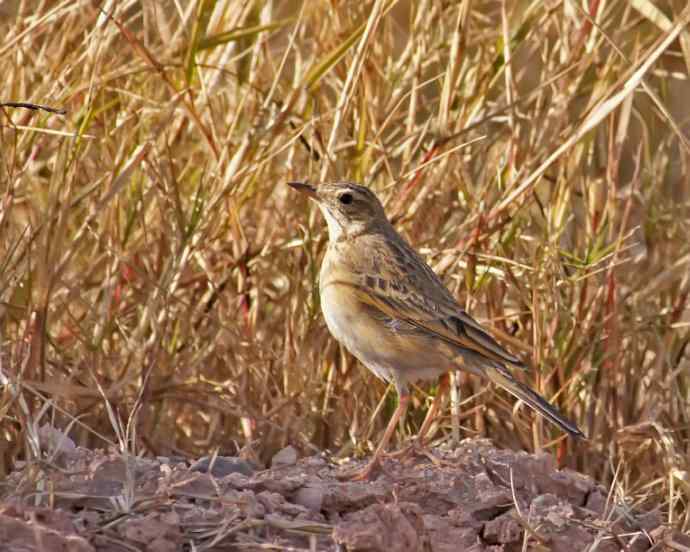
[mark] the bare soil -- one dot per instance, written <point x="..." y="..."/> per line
<point x="474" y="497"/>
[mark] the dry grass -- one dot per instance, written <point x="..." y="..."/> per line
<point x="157" y="276"/>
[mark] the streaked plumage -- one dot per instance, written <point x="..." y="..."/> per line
<point x="391" y="311"/>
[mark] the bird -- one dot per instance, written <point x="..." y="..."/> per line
<point x="391" y="311"/>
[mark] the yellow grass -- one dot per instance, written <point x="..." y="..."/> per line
<point x="158" y="278"/>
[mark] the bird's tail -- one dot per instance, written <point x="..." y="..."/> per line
<point x="500" y="375"/>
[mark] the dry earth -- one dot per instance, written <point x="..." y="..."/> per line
<point x="474" y="498"/>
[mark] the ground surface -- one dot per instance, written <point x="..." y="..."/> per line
<point x="474" y="497"/>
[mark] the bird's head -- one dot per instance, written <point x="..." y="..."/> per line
<point x="349" y="209"/>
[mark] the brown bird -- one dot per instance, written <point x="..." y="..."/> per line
<point x="393" y="313"/>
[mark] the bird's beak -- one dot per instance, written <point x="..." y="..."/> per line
<point x="305" y="188"/>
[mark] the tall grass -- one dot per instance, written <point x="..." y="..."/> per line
<point x="151" y="255"/>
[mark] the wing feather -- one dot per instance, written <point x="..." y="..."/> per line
<point x="454" y="326"/>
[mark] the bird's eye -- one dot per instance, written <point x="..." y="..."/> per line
<point x="346" y="198"/>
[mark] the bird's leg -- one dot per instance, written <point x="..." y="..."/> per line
<point x="366" y="472"/>
<point x="443" y="385"/>
<point x="418" y="443"/>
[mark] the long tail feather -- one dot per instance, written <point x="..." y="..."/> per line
<point x="500" y="375"/>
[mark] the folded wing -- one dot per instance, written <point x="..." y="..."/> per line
<point x="440" y="317"/>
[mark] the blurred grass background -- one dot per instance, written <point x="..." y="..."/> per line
<point x="158" y="281"/>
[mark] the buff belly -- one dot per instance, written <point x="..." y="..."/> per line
<point x="392" y="356"/>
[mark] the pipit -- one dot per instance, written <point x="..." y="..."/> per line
<point x="393" y="313"/>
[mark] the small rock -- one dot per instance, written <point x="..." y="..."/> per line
<point x="222" y="466"/>
<point x="311" y="497"/>
<point x="285" y="457"/>
<point x="382" y="528"/>
<point x="55" y="442"/>
<point x="596" y="502"/>
<point x="502" y="530"/>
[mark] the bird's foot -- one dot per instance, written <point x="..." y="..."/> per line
<point x="364" y="474"/>
<point x="417" y="448"/>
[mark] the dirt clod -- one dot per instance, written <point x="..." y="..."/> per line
<point x="474" y="497"/>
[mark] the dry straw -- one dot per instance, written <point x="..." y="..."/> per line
<point x="158" y="280"/>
